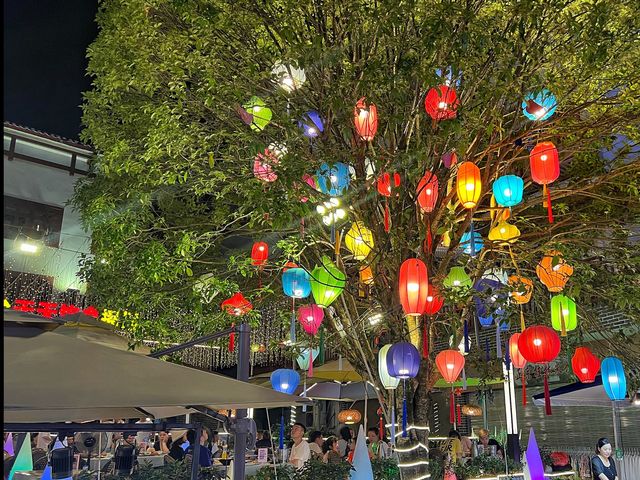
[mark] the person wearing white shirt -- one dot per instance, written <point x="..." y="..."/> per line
<point x="300" y="451"/>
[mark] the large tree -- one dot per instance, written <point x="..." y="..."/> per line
<point x="172" y="190"/>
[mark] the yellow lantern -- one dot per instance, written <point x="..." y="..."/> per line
<point x="504" y="233"/>
<point x="468" y="184"/>
<point x="502" y="214"/>
<point x="359" y="240"/>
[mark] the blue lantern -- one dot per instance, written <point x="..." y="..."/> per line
<point x="486" y="308"/>
<point x="465" y="243"/>
<point x="403" y="360"/>
<point x="311" y="124"/>
<point x="508" y="190"/>
<point x="333" y="180"/>
<point x="303" y="358"/>
<point x="504" y="326"/>
<point x="285" y="380"/>
<point x="613" y="379"/>
<point x="296" y="283"/>
<point x="539" y="105"/>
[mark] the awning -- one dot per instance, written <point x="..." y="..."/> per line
<point x="579" y="395"/>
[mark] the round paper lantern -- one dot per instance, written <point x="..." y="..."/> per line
<point x="508" y="190"/>
<point x="359" y="240"/>
<point x="259" y="254"/>
<point x="365" y="119"/>
<point x="563" y="314"/>
<point x="457" y="278"/>
<point x="465" y="243"/>
<point x="413" y="286"/>
<point x="523" y="289"/>
<point x="349" y="417"/>
<point x="310" y="317"/>
<point x="327" y="282"/>
<point x="333" y="180"/>
<point x="585" y="365"/>
<point x="471" y="410"/>
<point x="553" y="271"/>
<point x="468" y="184"/>
<point x="285" y="380"/>
<point x="296" y="283"/>
<point x="427" y="191"/>
<point x="288" y="77"/>
<point x="306" y="356"/>
<point x="613" y="378"/>
<point x="441" y="103"/>
<point x="311" y="124"/>
<point x="403" y="360"/>
<point x="388" y="382"/>
<point x="515" y="355"/>
<point x="539" y="344"/>
<point x="236" y="305"/>
<point x="544" y="163"/>
<point x="366" y="275"/>
<point x="260" y="113"/>
<point x="262" y="166"/>
<point x="504" y="233"/>
<point x="539" y="105"/>
<point x="434" y="301"/>
<point x="386" y="182"/>
<point x="450" y="364"/>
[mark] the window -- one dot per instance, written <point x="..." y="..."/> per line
<point x="37" y="221"/>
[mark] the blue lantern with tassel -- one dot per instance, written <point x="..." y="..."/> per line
<point x="508" y="190"/>
<point x="333" y="180"/>
<point x="469" y="247"/>
<point x="311" y="124"/>
<point x="403" y="361"/>
<point x="613" y="378"/>
<point x="539" y="105"/>
<point x="296" y="283"/>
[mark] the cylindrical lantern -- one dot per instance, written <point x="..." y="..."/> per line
<point x="311" y="124"/>
<point x="365" y="119"/>
<point x="259" y="254"/>
<point x="349" y="417"/>
<point x="427" y="191"/>
<point x="260" y="113"/>
<point x="508" y="190"/>
<point x="450" y="363"/>
<point x="544" y="163"/>
<point x="413" y="286"/>
<point x="310" y="317"/>
<point x="457" y="278"/>
<point x="285" y="380"/>
<point x="539" y="105"/>
<point x="516" y="357"/>
<point x="471" y="248"/>
<point x="434" y="301"/>
<point x="539" y="344"/>
<point x="359" y="240"/>
<point x="504" y="233"/>
<point x="441" y="103"/>
<point x="388" y="382"/>
<point x="523" y="289"/>
<point x="613" y="378"/>
<point x="366" y="275"/>
<point x="296" y="282"/>
<point x="333" y="180"/>
<point x="468" y="184"/>
<point x="585" y="365"/>
<point x="403" y="360"/>
<point x="236" y="305"/>
<point x="554" y="274"/>
<point x="563" y="314"/>
<point x="327" y="282"/>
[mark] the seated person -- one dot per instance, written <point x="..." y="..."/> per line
<point x="265" y="441"/>
<point x="378" y="448"/>
<point x="330" y="449"/>
<point x="486" y="442"/>
<point x="216" y="451"/>
<point x="162" y="446"/>
<point x="452" y="448"/>
<point x="205" y="454"/>
<point x="315" y="444"/>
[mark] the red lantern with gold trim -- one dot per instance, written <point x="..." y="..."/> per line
<point x="365" y="118"/>
<point x="259" y="254"/>
<point x="585" y="365"/>
<point x="545" y="169"/>
<point x="441" y="103"/>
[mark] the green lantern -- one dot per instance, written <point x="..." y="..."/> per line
<point x="563" y="314"/>
<point x="327" y="282"/>
<point x="457" y="278"/>
<point x="261" y="114"/>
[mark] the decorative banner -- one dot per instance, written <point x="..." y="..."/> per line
<point x="533" y="468"/>
<point x="24" y="460"/>
<point x="8" y="445"/>
<point x="361" y="462"/>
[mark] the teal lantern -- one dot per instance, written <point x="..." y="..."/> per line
<point x="469" y="247"/>
<point x="261" y="114"/>
<point x="539" y="105"/>
<point x="296" y="283"/>
<point x="508" y="190"/>
<point x="327" y="282"/>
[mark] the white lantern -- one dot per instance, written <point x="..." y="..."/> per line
<point x="388" y="382"/>
<point x="288" y="77"/>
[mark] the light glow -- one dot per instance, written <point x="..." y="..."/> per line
<point x="470" y="186"/>
<point x="537" y="342"/>
<point x="543" y="158"/>
<point x="28" y="247"/>
<point x="413" y="287"/>
<point x="442" y="105"/>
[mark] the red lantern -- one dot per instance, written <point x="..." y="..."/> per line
<point x="236" y="305"/>
<point x="585" y="365"/>
<point x="518" y="361"/>
<point x="413" y="285"/>
<point x="441" y="103"/>
<point x="545" y="169"/>
<point x="434" y="301"/>
<point x="428" y="192"/>
<point x="385" y="185"/>
<point x="310" y="317"/>
<point x="365" y="119"/>
<point x="450" y="363"/>
<point x="259" y="254"/>
<point x="540" y="344"/>
<point x="289" y="265"/>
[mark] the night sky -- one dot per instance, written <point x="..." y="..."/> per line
<point x="44" y="62"/>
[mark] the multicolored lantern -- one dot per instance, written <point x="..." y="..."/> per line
<point x="469" y="247"/>
<point x="310" y="317"/>
<point x="333" y="180"/>
<point x="504" y="233"/>
<point x="311" y="124"/>
<point x="468" y="184"/>
<point x="427" y="192"/>
<point x="413" y="286"/>
<point x="327" y="282"/>
<point x="441" y="103"/>
<point x="450" y="363"/>
<point x="359" y="240"/>
<point x="285" y="380"/>
<point x="259" y="254"/>
<point x="236" y="305"/>
<point x="365" y="119"/>
<point x="613" y="378"/>
<point x="508" y="190"/>
<point x="585" y="365"/>
<point x="260" y="113"/>
<point x="545" y="169"/>
<point x="554" y="271"/>
<point x="539" y="105"/>
<point x="403" y="362"/>
<point x="519" y="362"/>
<point x="457" y="279"/>
<point x="563" y="314"/>
<point x="296" y="282"/>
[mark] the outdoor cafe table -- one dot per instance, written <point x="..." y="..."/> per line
<point x="154" y="460"/>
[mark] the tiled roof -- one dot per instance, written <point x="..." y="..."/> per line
<point x="48" y="136"/>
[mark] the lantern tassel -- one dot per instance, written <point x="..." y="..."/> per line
<point x="523" y="378"/>
<point x="232" y="338"/>
<point x="522" y="324"/>
<point x="304" y="394"/>
<point x="452" y="407"/>
<point x="281" y="444"/>
<point x="498" y="342"/>
<point x="486" y="348"/>
<point x="393" y="424"/>
<point x="292" y="329"/>
<point x="549" y="209"/>
<point x="547" y="396"/>
<point x="321" y="347"/>
<point x="387" y="221"/>
<point x="338" y="243"/>
<point x="310" y="371"/>
<point x="425" y="341"/>
<point x="471" y="239"/>
<point x="381" y="427"/>
<point x="333" y="233"/>
<point x="466" y="336"/>
<point x="404" y="416"/>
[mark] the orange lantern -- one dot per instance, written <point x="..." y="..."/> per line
<point x="554" y="274"/>
<point x="545" y="169"/>
<point x="468" y="184"/>
<point x="349" y="417"/>
<point x="523" y="289"/>
<point x="427" y="191"/>
<point x="259" y="254"/>
<point x="413" y="285"/>
<point x="450" y="363"/>
<point x="366" y="275"/>
<point x="365" y="119"/>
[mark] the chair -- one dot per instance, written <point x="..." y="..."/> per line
<point x="124" y="460"/>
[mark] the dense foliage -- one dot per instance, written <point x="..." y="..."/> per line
<point x="173" y="204"/>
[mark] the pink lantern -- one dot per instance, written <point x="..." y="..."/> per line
<point x="262" y="166"/>
<point x="309" y="180"/>
<point x="310" y="317"/>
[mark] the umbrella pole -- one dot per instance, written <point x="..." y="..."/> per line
<point x="242" y="423"/>
<point x="99" y="452"/>
<point x="366" y="398"/>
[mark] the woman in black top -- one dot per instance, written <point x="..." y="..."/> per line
<point x="602" y="465"/>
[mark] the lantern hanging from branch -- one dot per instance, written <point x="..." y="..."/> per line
<point x="495" y="212"/>
<point x="259" y="254"/>
<point x="260" y="113"/>
<point x="449" y="159"/>
<point x="236" y="305"/>
<point x="554" y="271"/>
<point x="333" y="180"/>
<point x="539" y="105"/>
<point x="403" y="362"/>
<point x="388" y="381"/>
<point x="441" y="103"/>
<point x="471" y="410"/>
<point x="359" y="240"/>
<point x="613" y="378"/>
<point x="457" y="278"/>
<point x="427" y="191"/>
<point x="365" y="119"/>
<point x="504" y="233"/>
<point x="349" y="417"/>
<point x="585" y="365"/>
<point x="545" y="169"/>
<point x="523" y="289"/>
<point x="327" y="282"/>
<point x="366" y="275"/>
<point x="296" y="282"/>
<point x="508" y="190"/>
<point x="519" y="362"/>
<point x="469" y="246"/>
<point x="288" y="77"/>
<point x="450" y="363"/>
<point x="563" y="314"/>
<point x="468" y="184"/>
<point x="413" y="286"/>
<point x="311" y="124"/>
<point x="307" y="357"/>
<point x="434" y="301"/>
<point x="385" y="184"/>
<point x="310" y="317"/>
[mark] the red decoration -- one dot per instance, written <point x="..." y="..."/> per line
<point x="434" y="301"/>
<point x="585" y="365"/>
<point x="381" y="430"/>
<point x="23" y="305"/>
<point x="68" y="309"/>
<point x="47" y="309"/>
<point x="428" y="192"/>
<point x="441" y="103"/>
<point x="236" y="305"/>
<point x="545" y="169"/>
<point x="289" y="265"/>
<point x="518" y="361"/>
<point x="387" y="182"/>
<point x="232" y="338"/>
<point x="365" y="119"/>
<point x="91" y="311"/>
<point x="413" y="285"/>
<point x="450" y="363"/>
<point x="310" y="317"/>
<point x="259" y="254"/>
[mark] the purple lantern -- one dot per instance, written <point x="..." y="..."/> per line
<point x="311" y="124"/>
<point x="403" y="360"/>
